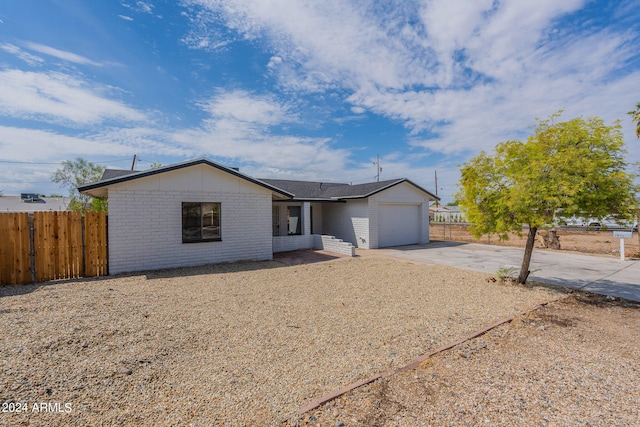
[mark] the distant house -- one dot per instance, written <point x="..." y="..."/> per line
<point x="200" y="212"/>
<point x="446" y="214"/>
<point x="28" y="202"/>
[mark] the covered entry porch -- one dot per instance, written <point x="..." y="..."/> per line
<point x="298" y="225"/>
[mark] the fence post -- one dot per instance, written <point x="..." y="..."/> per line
<point x="32" y="249"/>
<point x="84" y="249"/>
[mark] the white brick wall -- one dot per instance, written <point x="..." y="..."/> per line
<point x="292" y="243"/>
<point x="145" y="229"/>
<point x="330" y="243"/>
<point x="312" y="241"/>
<point x="372" y="211"/>
<point x="347" y="221"/>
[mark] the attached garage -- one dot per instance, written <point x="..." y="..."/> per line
<point x="398" y="224"/>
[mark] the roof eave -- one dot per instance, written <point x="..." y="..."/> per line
<point x="400" y="181"/>
<point x="90" y="188"/>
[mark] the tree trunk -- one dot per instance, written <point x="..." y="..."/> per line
<point x="528" y="250"/>
<point x="551" y="240"/>
<point x="638" y="221"/>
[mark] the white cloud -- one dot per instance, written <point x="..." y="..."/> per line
<point x="460" y="76"/>
<point x="243" y="107"/>
<point x="140" y="6"/>
<point x="247" y="128"/>
<point x="274" y="62"/>
<point x="328" y="42"/>
<point x="30" y="59"/>
<point x="59" y="98"/>
<point x="241" y="128"/>
<point x="44" y="146"/>
<point x="201" y="35"/>
<point x="125" y="17"/>
<point x="61" y="54"/>
<point x="145" y="7"/>
<point x="469" y="73"/>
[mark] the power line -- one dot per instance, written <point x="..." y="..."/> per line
<point x="31" y="163"/>
<point x="58" y="163"/>
<point x="26" y="182"/>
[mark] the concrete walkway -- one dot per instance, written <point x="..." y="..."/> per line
<point x="606" y="276"/>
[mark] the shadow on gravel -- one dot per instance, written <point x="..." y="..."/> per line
<point x="602" y="286"/>
<point x="14" y="290"/>
<point x="430" y="245"/>
<point x="231" y="267"/>
<point x="605" y="301"/>
<point x="305" y="256"/>
<point x="535" y="284"/>
<point x="280" y="259"/>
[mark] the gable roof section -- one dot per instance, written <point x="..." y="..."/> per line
<point x="308" y="190"/>
<point x="115" y="173"/>
<point x="114" y="176"/>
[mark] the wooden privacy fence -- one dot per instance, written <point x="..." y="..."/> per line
<point x="41" y="246"/>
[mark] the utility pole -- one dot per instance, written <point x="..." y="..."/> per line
<point x="437" y="204"/>
<point x="378" y="168"/>
<point x="133" y="163"/>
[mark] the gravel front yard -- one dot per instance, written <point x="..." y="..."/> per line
<point x="234" y="344"/>
<point x="572" y="363"/>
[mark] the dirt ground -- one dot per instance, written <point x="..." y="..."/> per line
<point x="249" y="344"/>
<point x="242" y="344"/>
<point x="570" y="363"/>
<point x="592" y="242"/>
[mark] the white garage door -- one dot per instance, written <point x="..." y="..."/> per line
<point x="398" y="224"/>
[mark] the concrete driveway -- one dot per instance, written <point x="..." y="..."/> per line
<point x="601" y="275"/>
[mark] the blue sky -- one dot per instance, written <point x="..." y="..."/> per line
<point x="306" y="89"/>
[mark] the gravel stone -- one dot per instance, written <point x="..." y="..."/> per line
<point x="250" y="343"/>
<point x="581" y="369"/>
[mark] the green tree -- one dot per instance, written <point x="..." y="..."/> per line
<point x="564" y="169"/>
<point x="77" y="172"/>
<point x="635" y="118"/>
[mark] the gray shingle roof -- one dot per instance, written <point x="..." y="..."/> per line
<point x="313" y="190"/>
<point x="301" y="190"/>
<point x="115" y="176"/>
<point x="115" y="173"/>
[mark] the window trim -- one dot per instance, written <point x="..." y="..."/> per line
<point x="299" y="225"/>
<point x="201" y="239"/>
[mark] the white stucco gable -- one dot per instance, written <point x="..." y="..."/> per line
<point x="403" y="192"/>
<point x="199" y="178"/>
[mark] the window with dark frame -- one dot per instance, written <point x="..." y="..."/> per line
<point x="200" y="222"/>
<point x="294" y="220"/>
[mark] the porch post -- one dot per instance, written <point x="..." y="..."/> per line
<point x="306" y="218"/>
